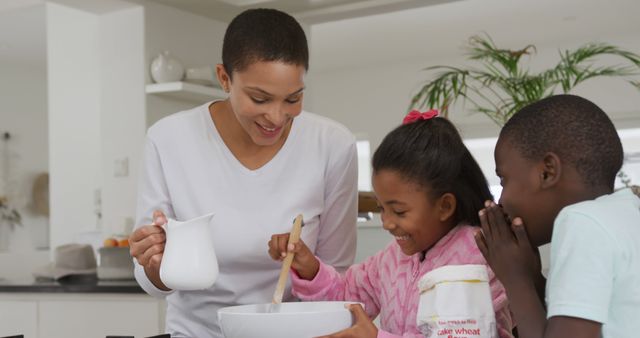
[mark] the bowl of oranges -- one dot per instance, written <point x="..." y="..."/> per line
<point x="115" y="262"/>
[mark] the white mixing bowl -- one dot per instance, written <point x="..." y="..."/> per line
<point x="287" y="320"/>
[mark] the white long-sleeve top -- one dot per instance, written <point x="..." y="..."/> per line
<point x="188" y="171"/>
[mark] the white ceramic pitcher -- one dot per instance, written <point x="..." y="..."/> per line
<point x="189" y="261"/>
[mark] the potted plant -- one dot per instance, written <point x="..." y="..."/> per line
<point x="500" y="86"/>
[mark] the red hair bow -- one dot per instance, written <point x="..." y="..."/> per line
<point x="415" y="115"/>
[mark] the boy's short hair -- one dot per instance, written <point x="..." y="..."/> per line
<point x="575" y="129"/>
<point x="263" y="34"/>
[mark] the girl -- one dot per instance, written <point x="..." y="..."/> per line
<point x="429" y="189"/>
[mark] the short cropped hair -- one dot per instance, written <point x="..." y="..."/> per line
<point x="573" y="128"/>
<point x="263" y="35"/>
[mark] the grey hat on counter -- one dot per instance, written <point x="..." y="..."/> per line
<point x="69" y="259"/>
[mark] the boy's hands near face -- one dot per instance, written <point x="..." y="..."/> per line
<point x="363" y="327"/>
<point x="506" y="248"/>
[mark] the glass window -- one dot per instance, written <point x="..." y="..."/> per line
<point x="364" y="165"/>
<point x="630" y="173"/>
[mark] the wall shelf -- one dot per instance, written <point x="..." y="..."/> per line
<point x="186" y="91"/>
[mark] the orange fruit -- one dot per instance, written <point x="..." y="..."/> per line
<point x="110" y="243"/>
<point x="123" y="242"/>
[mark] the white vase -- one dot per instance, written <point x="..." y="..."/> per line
<point x="165" y="68"/>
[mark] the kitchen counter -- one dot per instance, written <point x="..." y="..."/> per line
<point x="70" y="285"/>
<point x="78" y="309"/>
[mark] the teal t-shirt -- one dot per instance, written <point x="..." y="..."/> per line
<point x="595" y="264"/>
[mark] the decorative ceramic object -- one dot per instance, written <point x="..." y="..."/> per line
<point x="164" y="68"/>
<point x="201" y="75"/>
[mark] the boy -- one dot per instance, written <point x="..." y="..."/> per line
<point x="557" y="160"/>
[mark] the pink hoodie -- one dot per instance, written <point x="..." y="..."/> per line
<point x="387" y="283"/>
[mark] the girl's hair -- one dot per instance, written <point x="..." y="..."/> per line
<point x="263" y="34"/>
<point x="431" y="154"/>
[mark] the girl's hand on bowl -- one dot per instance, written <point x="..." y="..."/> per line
<point x="304" y="263"/>
<point x="363" y="327"/>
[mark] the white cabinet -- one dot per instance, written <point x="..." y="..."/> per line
<point x="18" y="317"/>
<point x="65" y="315"/>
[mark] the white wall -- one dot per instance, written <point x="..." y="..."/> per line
<point x="193" y="40"/>
<point x="18" y="265"/>
<point x="98" y="65"/>
<point x="23" y="113"/>
<point x="122" y="111"/>
<point x="73" y="64"/>
<point x="97" y="117"/>
<point x="373" y="100"/>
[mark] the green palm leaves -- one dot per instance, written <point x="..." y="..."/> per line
<point x="501" y="86"/>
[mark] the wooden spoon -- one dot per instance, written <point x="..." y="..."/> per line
<point x="294" y="236"/>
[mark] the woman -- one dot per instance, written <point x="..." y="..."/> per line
<point x="256" y="160"/>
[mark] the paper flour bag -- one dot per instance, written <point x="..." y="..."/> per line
<point x="455" y="302"/>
